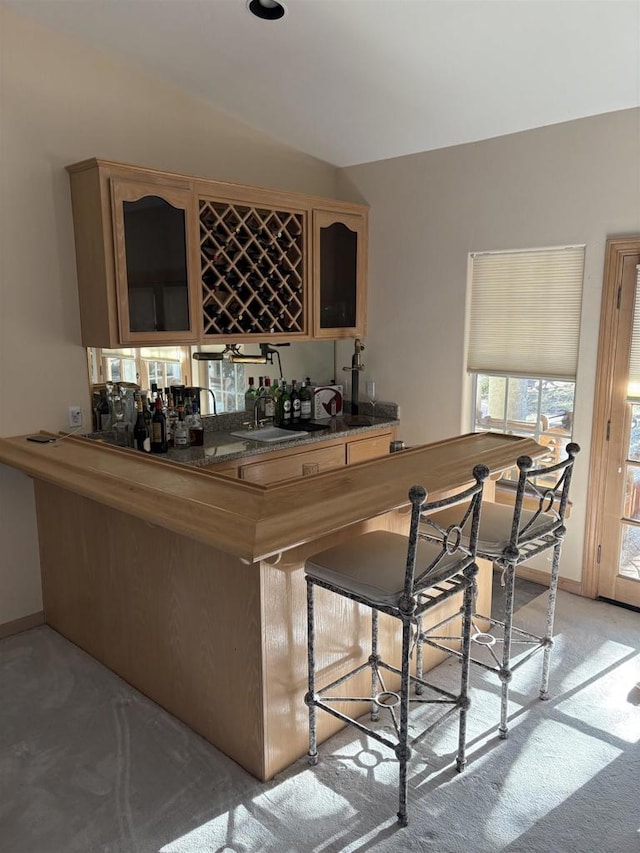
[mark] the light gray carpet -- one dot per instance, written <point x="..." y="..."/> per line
<point x="88" y="764"/>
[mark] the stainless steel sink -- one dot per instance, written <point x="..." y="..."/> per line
<point x="269" y="434"/>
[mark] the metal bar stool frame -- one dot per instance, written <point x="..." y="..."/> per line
<point x="532" y="533"/>
<point x="452" y="571"/>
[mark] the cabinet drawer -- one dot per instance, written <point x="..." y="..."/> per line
<point x="296" y="465"/>
<point x="368" y="448"/>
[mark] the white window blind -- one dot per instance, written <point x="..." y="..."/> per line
<point x="525" y="312"/>
<point x="634" y="359"/>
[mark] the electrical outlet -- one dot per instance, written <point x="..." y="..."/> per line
<point x="75" y="416"/>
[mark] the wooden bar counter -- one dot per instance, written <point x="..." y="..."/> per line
<point x="190" y="585"/>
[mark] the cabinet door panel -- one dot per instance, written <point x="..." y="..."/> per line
<point x="368" y="448"/>
<point x="339" y="274"/>
<point x="296" y="465"/>
<point x="153" y="228"/>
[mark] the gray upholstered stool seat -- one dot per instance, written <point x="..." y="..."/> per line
<point x="373" y="566"/>
<point x="496" y="521"/>
<point x="509" y="536"/>
<point x="403" y="577"/>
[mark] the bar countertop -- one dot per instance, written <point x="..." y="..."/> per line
<point x="248" y="520"/>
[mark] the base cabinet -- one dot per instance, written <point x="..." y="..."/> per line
<point x="277" y="466"/>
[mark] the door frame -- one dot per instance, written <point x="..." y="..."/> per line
<point x="617" y="250"/>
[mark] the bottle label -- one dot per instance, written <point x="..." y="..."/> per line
<point x="146" y="444"/>
<point x="305" y="409"/>
<point x="269" y="408"/>
<point x="181" y="438"/>
<point x="157" y="431"/>
<point x="286" y="410"/>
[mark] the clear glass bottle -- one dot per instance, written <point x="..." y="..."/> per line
<point x="269" y="402"/>
<point x="181" y="436"/>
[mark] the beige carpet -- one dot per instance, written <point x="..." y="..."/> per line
<point x="88" y="764"/>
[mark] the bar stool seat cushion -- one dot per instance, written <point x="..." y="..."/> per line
<point x="373" y="565"/>
<point x="495" y="526"/>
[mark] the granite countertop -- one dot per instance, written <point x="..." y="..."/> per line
<point x="220" y="446"/>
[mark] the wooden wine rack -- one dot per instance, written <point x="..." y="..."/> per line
<point x="252" y="268"/>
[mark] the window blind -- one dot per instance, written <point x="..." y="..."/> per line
<point x="634" y="358"/>
<point x="525" y="312"/>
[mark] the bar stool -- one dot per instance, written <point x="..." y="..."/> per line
<point x="405" y="578"/>
<point x="509" y="537"/>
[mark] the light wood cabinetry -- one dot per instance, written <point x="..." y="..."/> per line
<point x="296" y="465"/>
<point x="339" y="274"/>
<point x="362" y="449"/>
<point x="199" y="600"/>
<point x="253" y="269"/>
<point x="136" y="260"/>
<point x="164" y="258"/>
<point x="275" y="466"/>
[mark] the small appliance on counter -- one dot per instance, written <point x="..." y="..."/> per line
<point x="327" y="401"/>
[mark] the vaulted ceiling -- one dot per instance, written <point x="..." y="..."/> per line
<point x="352" y="81"/>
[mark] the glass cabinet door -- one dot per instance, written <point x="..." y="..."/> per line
<point x="153" y="263"/>
<point x="339" y="259"/>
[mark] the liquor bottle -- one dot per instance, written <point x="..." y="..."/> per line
<point x="269" y="402"/>
<point x="141" y="436"/>
<point x="295" y="401"/>
<point x="193" y="421"/>
<point x="250" y="396"/>
<point x="277" y="413"/>
<point x="285" y="404"/>
<point x="196" y="430"/>
<point x="305" y="402"/>
<point x="180" y="432"/>
<point x="171" y="415"/>
<point x="159" y="429"/>
<point x="103" y="414"/>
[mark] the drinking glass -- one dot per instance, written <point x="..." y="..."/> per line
<point x="372" y="395"/>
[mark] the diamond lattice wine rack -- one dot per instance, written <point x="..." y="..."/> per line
<point x="252" y="269"/>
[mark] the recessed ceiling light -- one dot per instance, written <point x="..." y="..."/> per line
<point x="268" y="10"/>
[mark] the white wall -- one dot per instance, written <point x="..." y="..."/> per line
<point x="570" y="183"/>
<point x="60" y="103"/>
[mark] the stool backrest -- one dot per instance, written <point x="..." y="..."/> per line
<point x="451" y="541"/>
<point x="549" y="500"/>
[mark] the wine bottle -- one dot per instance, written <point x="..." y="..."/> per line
<point x="305" y="402"/>
<point x="141" y="436"/>
<point x="250" y="396"/>
<point x="159" y="429"/>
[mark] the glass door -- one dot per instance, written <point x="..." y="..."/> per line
<point x="615" y="481"/>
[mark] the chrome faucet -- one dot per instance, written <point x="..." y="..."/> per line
<point x="356" y="367"/>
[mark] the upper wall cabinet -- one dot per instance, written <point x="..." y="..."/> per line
<point x="169" y="259"/>
<point x="135" y="255"/>
<point x="339" y="273"/>
<point x="154" y="278"/>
